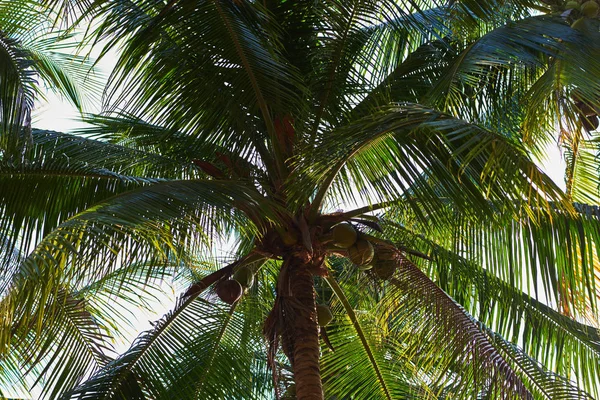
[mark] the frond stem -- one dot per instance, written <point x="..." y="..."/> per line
<point x="215" y="349"/>
<point x="356" y="324"/>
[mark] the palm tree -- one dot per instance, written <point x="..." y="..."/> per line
<point x="372" y="159"/>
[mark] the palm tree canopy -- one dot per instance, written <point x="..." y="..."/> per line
<point x="266" y="124"/>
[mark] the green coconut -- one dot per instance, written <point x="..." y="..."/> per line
<point x="324" y="315"/>
<point x="288" y="238"/>
<point x="580" y="24"/>
<point x="365" y="267"/>
<point x="589" y="9"/>
<point x="344" y="235"/>
<point x="229" y="291"/>
<point x="362" y="252"/>
<point x="384" y="268"/>
<point x="590" y="123"/>
<point x="572" y="5"/>
<point x="245" y="277"/>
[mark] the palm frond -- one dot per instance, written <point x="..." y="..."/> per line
<point x="357" y="343"/>
<point x="17" y="97"/>
<point x="33" y="53"/>
<point x="360" y="45"/>
<point x="12" y="383"/>
<point x="560" y="343"/>
<point x="462" y="348"/>
<point x="66" y="175"/>
<point x="582" y="169"/>
<point x="226" y="42"/>
<point x="184" y="147"/>
<point x="163" y="221"/>
<point x="543" y="383"/>
<point x="526" y="68"/>
<point x="427" y="158"/>
<point x="71" y="346"/>
<point x="223" y="348"/>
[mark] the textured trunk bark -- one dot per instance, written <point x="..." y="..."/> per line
<point x="304" y="332"/>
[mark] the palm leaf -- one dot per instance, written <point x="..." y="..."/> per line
<point x="358" y="362"/>
<point x="224" y="348"/>
<point x="122" y="231"/>
<point x="67" y="174"/>
<point x="71" y="345"/>
<point x="560" y="343"/>
<point x="226" y="43"/>
<point x="426" y="158"/>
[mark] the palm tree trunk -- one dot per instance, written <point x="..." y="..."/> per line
<point x="303" y="331"/>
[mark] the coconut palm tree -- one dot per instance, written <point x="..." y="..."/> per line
<point x="369" y="168"/>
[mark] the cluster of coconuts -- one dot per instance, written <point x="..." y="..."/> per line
<point x="588" y="8"/>
<point x="362" y="253"/>
<point x="230" y="290"/>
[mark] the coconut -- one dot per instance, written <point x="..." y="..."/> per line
<point x="590" y="123"/>
<point x="384" y="268"/>
<point x="589" y="9"/>
<point x="365" y="267"/>
<point x="245" y="277"/>
<point x="386" y="253"/>
<point x="362" y="252"/>
<point x="585" y="109"/>
<point x="580" y="24"/>
<point x="344" y="235"/>
<point x="570" y="5"/>
<point x="324" y="315"/>
<point x="289" y="238"/>
<point x="229" y="291"/>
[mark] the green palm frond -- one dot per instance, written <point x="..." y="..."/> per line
<point x="226" y="42"/>
<point x="550" y="253"/>
<point x="425" y="158"/>
<point x="122" y="231"/>
<point x="359" y="361"/>
<point x="31" y="53"/>
<point x="560" y="343"/>
<point x="360" y="47"/>
<point x="17" y="98"/>
<point x="429" y="358"/>
<point x="215" y="360"/>
<point x="464" y="352"/>
<point x="544" y="384"/>
<point x="114" y="298"/>
<point x="12" y="382"/>
<point x="78" y="337"/>
<point x="582" y="169"/>
<point x="67" y="148"/>
<point x="66" y="12"/>
<point x="411" y="80"/>
<point x="71" y="345"/>
<point x="66" y="175"/>
<point x="531" y="63"/>
<point x="184" y="147"/>
<point x="420" y="313"/>
<point x="67" y="75"/>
